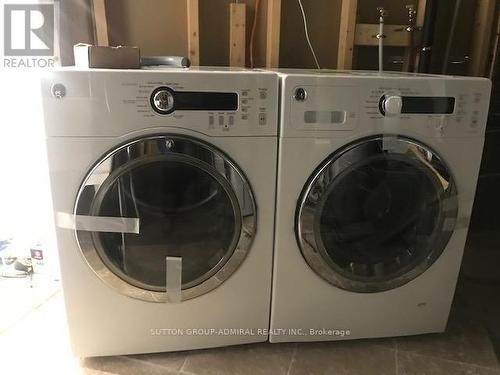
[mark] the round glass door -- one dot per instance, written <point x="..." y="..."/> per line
<point x="376" y="214"/>
<point x="191" y="202"/>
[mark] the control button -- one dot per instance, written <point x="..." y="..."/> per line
<point x="162" y="100"/>
<point x="391" y="105"/>
<point x="244" y="101"/>
<point x="244" y="117"/>
<point x="262" y="118"/>
<point x="231" y="120"/>
<point x="300" y="94"/>
<point x="58" y="91"/>
<point x="244" y="109"/>
<point x="263" y="94"/>
<point x="244" y="93"/>
<point x="211" y="120"/>
<point x="474" y="123"/>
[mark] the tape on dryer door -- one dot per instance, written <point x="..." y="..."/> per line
<point x="391" y="143"/>
<point x="174" y="279"/>
<point x="97" y="223"/>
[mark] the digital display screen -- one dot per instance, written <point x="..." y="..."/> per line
<point x="428" y="104"/>
<point x="205" y="101"/>
<point x="324" y="117"/>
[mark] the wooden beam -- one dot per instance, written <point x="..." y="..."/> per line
<point x="395" y="35"/>
<point x="193" y="30"/>
<point x="100" y="22"/>
<point x="273" y="33"/>
<point x="483" y="23"/>
<point x="237" y="31"/>
<point x="346" y="33"/>
<point x="419" y="21"/>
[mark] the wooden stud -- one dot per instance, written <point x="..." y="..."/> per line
<point x="419" y="21"/>
<point x="237" y="31"/>
<point x="346" y="34"/>
<point x="193" y="31"/>
<point x="100" y="22"/>
<point x="481" y="35"/>
<point x="273" y="33"/>
<point x="395" y="35"/>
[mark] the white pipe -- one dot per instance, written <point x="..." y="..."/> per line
<point x="381" y="37"/>
<point x="381" y="45"/>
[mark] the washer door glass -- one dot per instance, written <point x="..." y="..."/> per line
<point x="191" y="202"/>
<point x="377" y="214"/>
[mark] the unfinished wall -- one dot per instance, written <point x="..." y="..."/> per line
<point x="158" y="27"/>
<point x="323" y="19"/>
<point x="214" y="32"/>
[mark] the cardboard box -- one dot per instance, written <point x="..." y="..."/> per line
<point x="121" y="57"/>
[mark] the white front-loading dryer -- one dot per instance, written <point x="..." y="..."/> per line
<point x="376" y="181"/>
<point x="163" y="186"/>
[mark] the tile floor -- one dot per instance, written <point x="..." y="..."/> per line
<point x="38" y="344"/>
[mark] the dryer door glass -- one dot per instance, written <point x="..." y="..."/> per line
<point x="377" y="214"/>
<point x="191" y="202"/>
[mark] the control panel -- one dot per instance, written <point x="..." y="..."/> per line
<point x="420" y="105"/>
<point x="392" y="105"/>
<point x="165" y="100"/>
<point x="210" y="101"/>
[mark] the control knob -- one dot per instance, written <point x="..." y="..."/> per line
<point x="162" y="100"/>
<point x="391" y="105"/>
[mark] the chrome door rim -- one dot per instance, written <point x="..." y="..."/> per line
<point x="313" y="196"/>
<point x="200" y="154"/>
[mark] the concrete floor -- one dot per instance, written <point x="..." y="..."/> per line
<point x="37" y="344"/>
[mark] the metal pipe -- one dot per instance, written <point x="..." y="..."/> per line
<point x="495" y="49"/>
<point x="449" y="42"/>
<point x="380" y="37"/>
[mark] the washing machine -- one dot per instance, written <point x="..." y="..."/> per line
<point x="376" y="181"/>
<point x="163" y="188"/>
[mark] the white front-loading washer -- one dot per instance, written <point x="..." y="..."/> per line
<point x="376" y="181"/>
<point x="163" y="186"/>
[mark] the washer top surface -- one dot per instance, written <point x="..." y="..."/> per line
<point x="365" y="73"/>
<point x="169" y="69"/>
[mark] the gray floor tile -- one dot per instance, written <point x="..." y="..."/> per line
<point x="171" y="361"/>
<point x="88" y="371"/>
<point x="251" y="359"/>
<point x="464" y="341"/>
<point x="480" y="300"/>
<point x="122" y="365"/>
<point x="362" y="357"/>
<point x="415" y="364"/>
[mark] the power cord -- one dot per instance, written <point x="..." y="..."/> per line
<point x="307" y="33"/>
<point x="254" y="27"/>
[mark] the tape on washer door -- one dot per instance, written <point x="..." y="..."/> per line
<point x="97" y="223"/>
<point x="174" y="279"/>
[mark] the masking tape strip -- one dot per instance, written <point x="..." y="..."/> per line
<point x="389" y="143"/>
<point x="174" y="279"/>
<point x="392" y="143"/>
<point x="97" y="223"/>
<point x="450" y="224"/>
